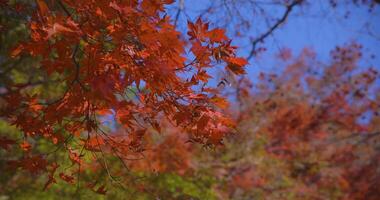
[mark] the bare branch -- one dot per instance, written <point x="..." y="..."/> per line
<point x="284" y="17"/>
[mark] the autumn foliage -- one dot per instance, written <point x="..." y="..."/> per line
<point x="312" y="132"/>
<point x="120" y="59"/>
<point x="111" y="97"/>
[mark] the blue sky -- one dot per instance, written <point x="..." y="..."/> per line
<point x="314" y="25"/>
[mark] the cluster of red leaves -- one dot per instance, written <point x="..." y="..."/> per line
<point x="104" y="50"/>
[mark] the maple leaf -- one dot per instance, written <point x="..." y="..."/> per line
<point x="236" y="65"/>
<point x="154" y="6"/>
<point x="217" y="35"/>
<point x="33" y="164"/>
<point x="220" y="102"/>
<point x="236" y="69"/>
<point x="198" y="30"/>
<point x="203" y="76"/>
<point x="93" y="143"/>
<point x="203" y="121"/>
<point x="241" y="62"/>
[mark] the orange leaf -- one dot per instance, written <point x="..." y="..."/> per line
<point x="236" y="69"/>
<point x="203" y="76"/>
<point x="15" y="52"/>
<point x="220" y="102"/>
<point x="217" y="35"/>
<point x="25" y="146"/>
<point x="94" y="143"/>
<point x="236" y="65"/>
<point x="237" y="61"/>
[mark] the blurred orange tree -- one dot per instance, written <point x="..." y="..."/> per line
<point x="310" y="132"/>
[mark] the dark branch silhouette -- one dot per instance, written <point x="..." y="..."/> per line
<point x="284" y="17"/>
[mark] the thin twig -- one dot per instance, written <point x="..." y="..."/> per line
<point x="284" y="17"/>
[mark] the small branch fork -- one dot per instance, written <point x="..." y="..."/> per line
<point x="263" y="36"/>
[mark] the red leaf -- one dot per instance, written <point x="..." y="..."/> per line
<point x="236" y="65"/>
<point x="203" y="121"/>
<point x="203" y="76"/>
<point x="32" y="164"/>
<point x="217" y="35"/>
<point x="94" y="143"/>
<point x="237" y="61"/>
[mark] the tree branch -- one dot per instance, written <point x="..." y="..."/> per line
<point x="261" y="38"/>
